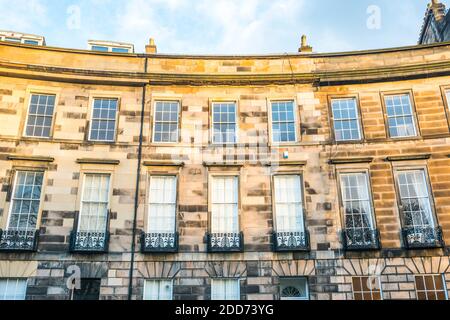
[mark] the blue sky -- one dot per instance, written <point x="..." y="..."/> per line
<point x="219" y="26"/>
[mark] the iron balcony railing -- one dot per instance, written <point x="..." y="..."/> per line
<point x="225" y="242"/>
<point x="423" y="237"/>
<point x="159" y="242"/>
<point x="18" y="240"/>
<point x="89" y="242"/>
<point x="290" y="241"/>
<point x="361" y="239"/>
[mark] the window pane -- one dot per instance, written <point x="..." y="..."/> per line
<point x="357" y="203"/>
<point x="40" y="115"/>
<point x="431" y="287"/>
<point x="288" y="204"/>
<point x="94" y="203"/>
<point x="224" y="123"/>
<point x="103" y="122"/>
<point x="162" y="204"/>
<point x="283" y="122"/>
<point x="166" y="122"/>
<point x="13" y="289"/>
<point x="346" y="120"/>
<point x="400" y="116"/>
<point x="294" y="289"/>
<point x="366" y="288"/>
<point x="415" y="199"/>
<point x="90" y="290"/>
<point x="158" y="290"/>
<point x="224" y="197"/>
<point x="225" y="289"/>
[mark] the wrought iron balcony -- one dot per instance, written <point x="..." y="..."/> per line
<point x="225" y="242"/>
<point x="18" y="240"/>
<point x="89" y="242"/>
<point x="423" y="237"/>
<point x="159" y="242"/>
<point x="361" y="239"/>
<point x="290" y="241"/>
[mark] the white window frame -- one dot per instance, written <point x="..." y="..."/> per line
<point x="159" y="282"/>
<point x="116" y="120"/>
<point x="224" y="295"/>
<point x="301" y="219"/>
<point x="16" y="176"/>
<point x="378" y="279"/>
<point x="30" y="98"/>
<point x="295" y="299"/>
<point x="149" y="203"/>
<point x="17" y="281"/>
<point x="444" y="283"/>
<point x="296" y="121"/>
<point x="178" y="102"/>
<point x="357" y="119"/>
<point x="432" y="217"/>
<point x="371" y="214"/>
<point x="412" y="115"/>
<point x="108" y="204"/>
<point x="236" y="122"/>
<point x="216" y="229"/>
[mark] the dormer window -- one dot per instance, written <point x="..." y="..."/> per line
<point x="17" y="37"/>
<point x="109" y="46"/>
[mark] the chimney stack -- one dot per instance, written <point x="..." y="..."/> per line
<point x="151" y="47"/>
<point x="305" y="48"/>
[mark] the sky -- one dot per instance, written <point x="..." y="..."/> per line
<point x="221" y="26"/>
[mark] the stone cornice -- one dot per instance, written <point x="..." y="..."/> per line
<point x="409" y="157"/>
<point x="350" y="160"/>
<point x="30" y="158"/>
<point x="99" y="161"/>
<point x="162" y="163"/>
<point x="321" y="78"/>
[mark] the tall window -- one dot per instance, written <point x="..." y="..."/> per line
<point x="162" y="206"/>
<point x="103" y="124"/>
<point x="431" y="287"/>
<point x="400" y="116"/>
<point x="94" y="203"/>
<point x="288" y="204"/>
<point x="415" y="199"/>
<point x="294" y="289"/>
<point x="224" y="122"/>
<point x="26" y="198"/>
<point x="366" y="288"/>
<point x="13" y="289"/>
<point x="283" y="122"/>
<point x="224" y="216"/>
<point x="40" y="115"/>
<point x="225" y="289"/>
<point x="357" y="203"/>
<point x="346" y="120"/>
<point x="158" y="290"/>
<point x="165" y="127"/>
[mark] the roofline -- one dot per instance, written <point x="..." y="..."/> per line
<point x="112" y="42"/>
<point x="235" y="57"/>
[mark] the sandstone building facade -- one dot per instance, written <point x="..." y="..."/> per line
<point x="151" y="176"/>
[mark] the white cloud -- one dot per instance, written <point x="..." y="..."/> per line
<point x="23" y="15"/>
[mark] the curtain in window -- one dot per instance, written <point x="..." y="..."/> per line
<point x="162" y="206"/>
<point x="26" y="201"/>
<point x="94" y="203"/>
<point x="158" y="290"/>
<point x="288" y="204"/>
<point x="224" y="216"/>
<point x="357" y="201"/>
<point x="13" y="289"/>
<point x="415" y="199"/>
<point x="225" y="289"/>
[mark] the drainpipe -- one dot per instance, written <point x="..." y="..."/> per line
<point x="138" y="181"/>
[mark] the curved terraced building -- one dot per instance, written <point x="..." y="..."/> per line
<point x="152" y="176"/>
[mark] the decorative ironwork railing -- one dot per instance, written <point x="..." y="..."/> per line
<point x="89" y="242"/>
<point x="291" y="241"/>
<point x="361" y="239"/>
<point x="423" y="237"/>
<point x="225" y="242"/>
<point x="159" y="242"/>
<point x="19" y="240"/>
